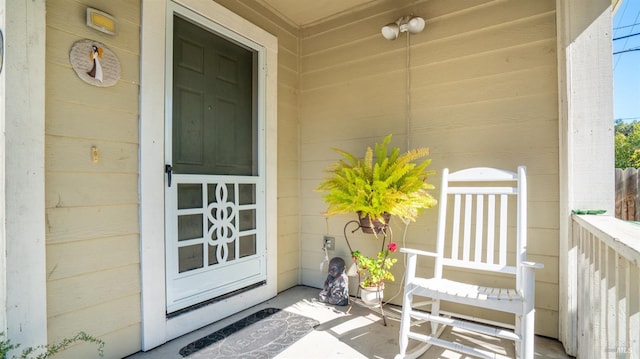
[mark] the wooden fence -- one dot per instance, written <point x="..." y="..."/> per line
<point x="627" y="198"/>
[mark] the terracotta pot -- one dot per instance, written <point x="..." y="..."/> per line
<point x="376" y="226"/>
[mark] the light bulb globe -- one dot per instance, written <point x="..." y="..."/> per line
<point x="390" y="31"/>
<point x="415" y="24"/>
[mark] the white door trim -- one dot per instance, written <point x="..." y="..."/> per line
<point x="156" y="328"/>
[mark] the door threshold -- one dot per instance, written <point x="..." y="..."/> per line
<point x="214" y="300"/>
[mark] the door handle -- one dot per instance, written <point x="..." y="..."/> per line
<point x="168" y="170"/>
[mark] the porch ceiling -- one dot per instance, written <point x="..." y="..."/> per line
<point x="306" y="12"/>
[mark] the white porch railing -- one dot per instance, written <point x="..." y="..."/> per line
<point x="607" y="302"/>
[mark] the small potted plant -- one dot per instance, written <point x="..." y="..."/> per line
<point x="373" y="271"/>
<point x="381" y="184"/>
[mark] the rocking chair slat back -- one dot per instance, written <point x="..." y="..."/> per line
<point x="475" y="235"/>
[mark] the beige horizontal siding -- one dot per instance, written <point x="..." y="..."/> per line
<point x="483" y="92"/>
<point x="81" y="223"/>
<point x="115" y="315"/>
<point x="70" y="120"/>
<point x="93" y="270"/>
<point x="93" y="255"/>
<point x="124" y="338"/>
<point x="63" y="85"/>
<point x="80" y="189"/>
<point x="74" y="155"/>
<point x="70" y="294"/>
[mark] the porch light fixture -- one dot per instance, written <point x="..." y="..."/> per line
<point x="102" y="21"/>
<point x="409" y="23"/>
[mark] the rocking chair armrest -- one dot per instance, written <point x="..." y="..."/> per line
<point x="417" y="251"/>
<point x="534" y="265"/>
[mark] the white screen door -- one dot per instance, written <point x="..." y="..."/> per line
<point x="214" y="193"/>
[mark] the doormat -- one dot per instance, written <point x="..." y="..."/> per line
<point x="263" y="334"/>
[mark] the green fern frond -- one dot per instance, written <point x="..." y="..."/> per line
<point x="368" y="159"/>
<point x="353" y="160"/>
<point x="390" y="183"/>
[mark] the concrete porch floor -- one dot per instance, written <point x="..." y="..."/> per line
<point x="358" y="334"/>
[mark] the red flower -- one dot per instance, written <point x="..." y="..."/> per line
<point x="393" y="247"/>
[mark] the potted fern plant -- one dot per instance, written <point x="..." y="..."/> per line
<point x="383" y="183"/>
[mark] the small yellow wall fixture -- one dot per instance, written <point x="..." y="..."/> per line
<point x="102" y="21"/>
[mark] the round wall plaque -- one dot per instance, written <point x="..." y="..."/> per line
<point x="94" y="63"/>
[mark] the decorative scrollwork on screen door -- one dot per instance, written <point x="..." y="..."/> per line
<point x="216" y="224"/>
<point x="222" y="215"/>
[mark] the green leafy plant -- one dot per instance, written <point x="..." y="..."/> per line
<point x="375" y="270"/>
<point x="627" y="144"/>
<point x="5" y="346"/>
<point x="388" y="182"/>
<point x="47" y="351"/>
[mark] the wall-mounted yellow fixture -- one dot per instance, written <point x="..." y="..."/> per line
<point x="102" y="21"/>
<point x="94" y="154"/>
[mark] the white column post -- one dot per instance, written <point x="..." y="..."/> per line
<point x="585" y="88"/>
<point x="3" y="240"/>
<point x="22" y="229"/>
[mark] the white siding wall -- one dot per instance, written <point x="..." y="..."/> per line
<point x="93" y="275"/>
<point x="483" y="93"/>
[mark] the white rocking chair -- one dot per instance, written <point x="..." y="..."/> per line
<point x="475" y="238"/>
